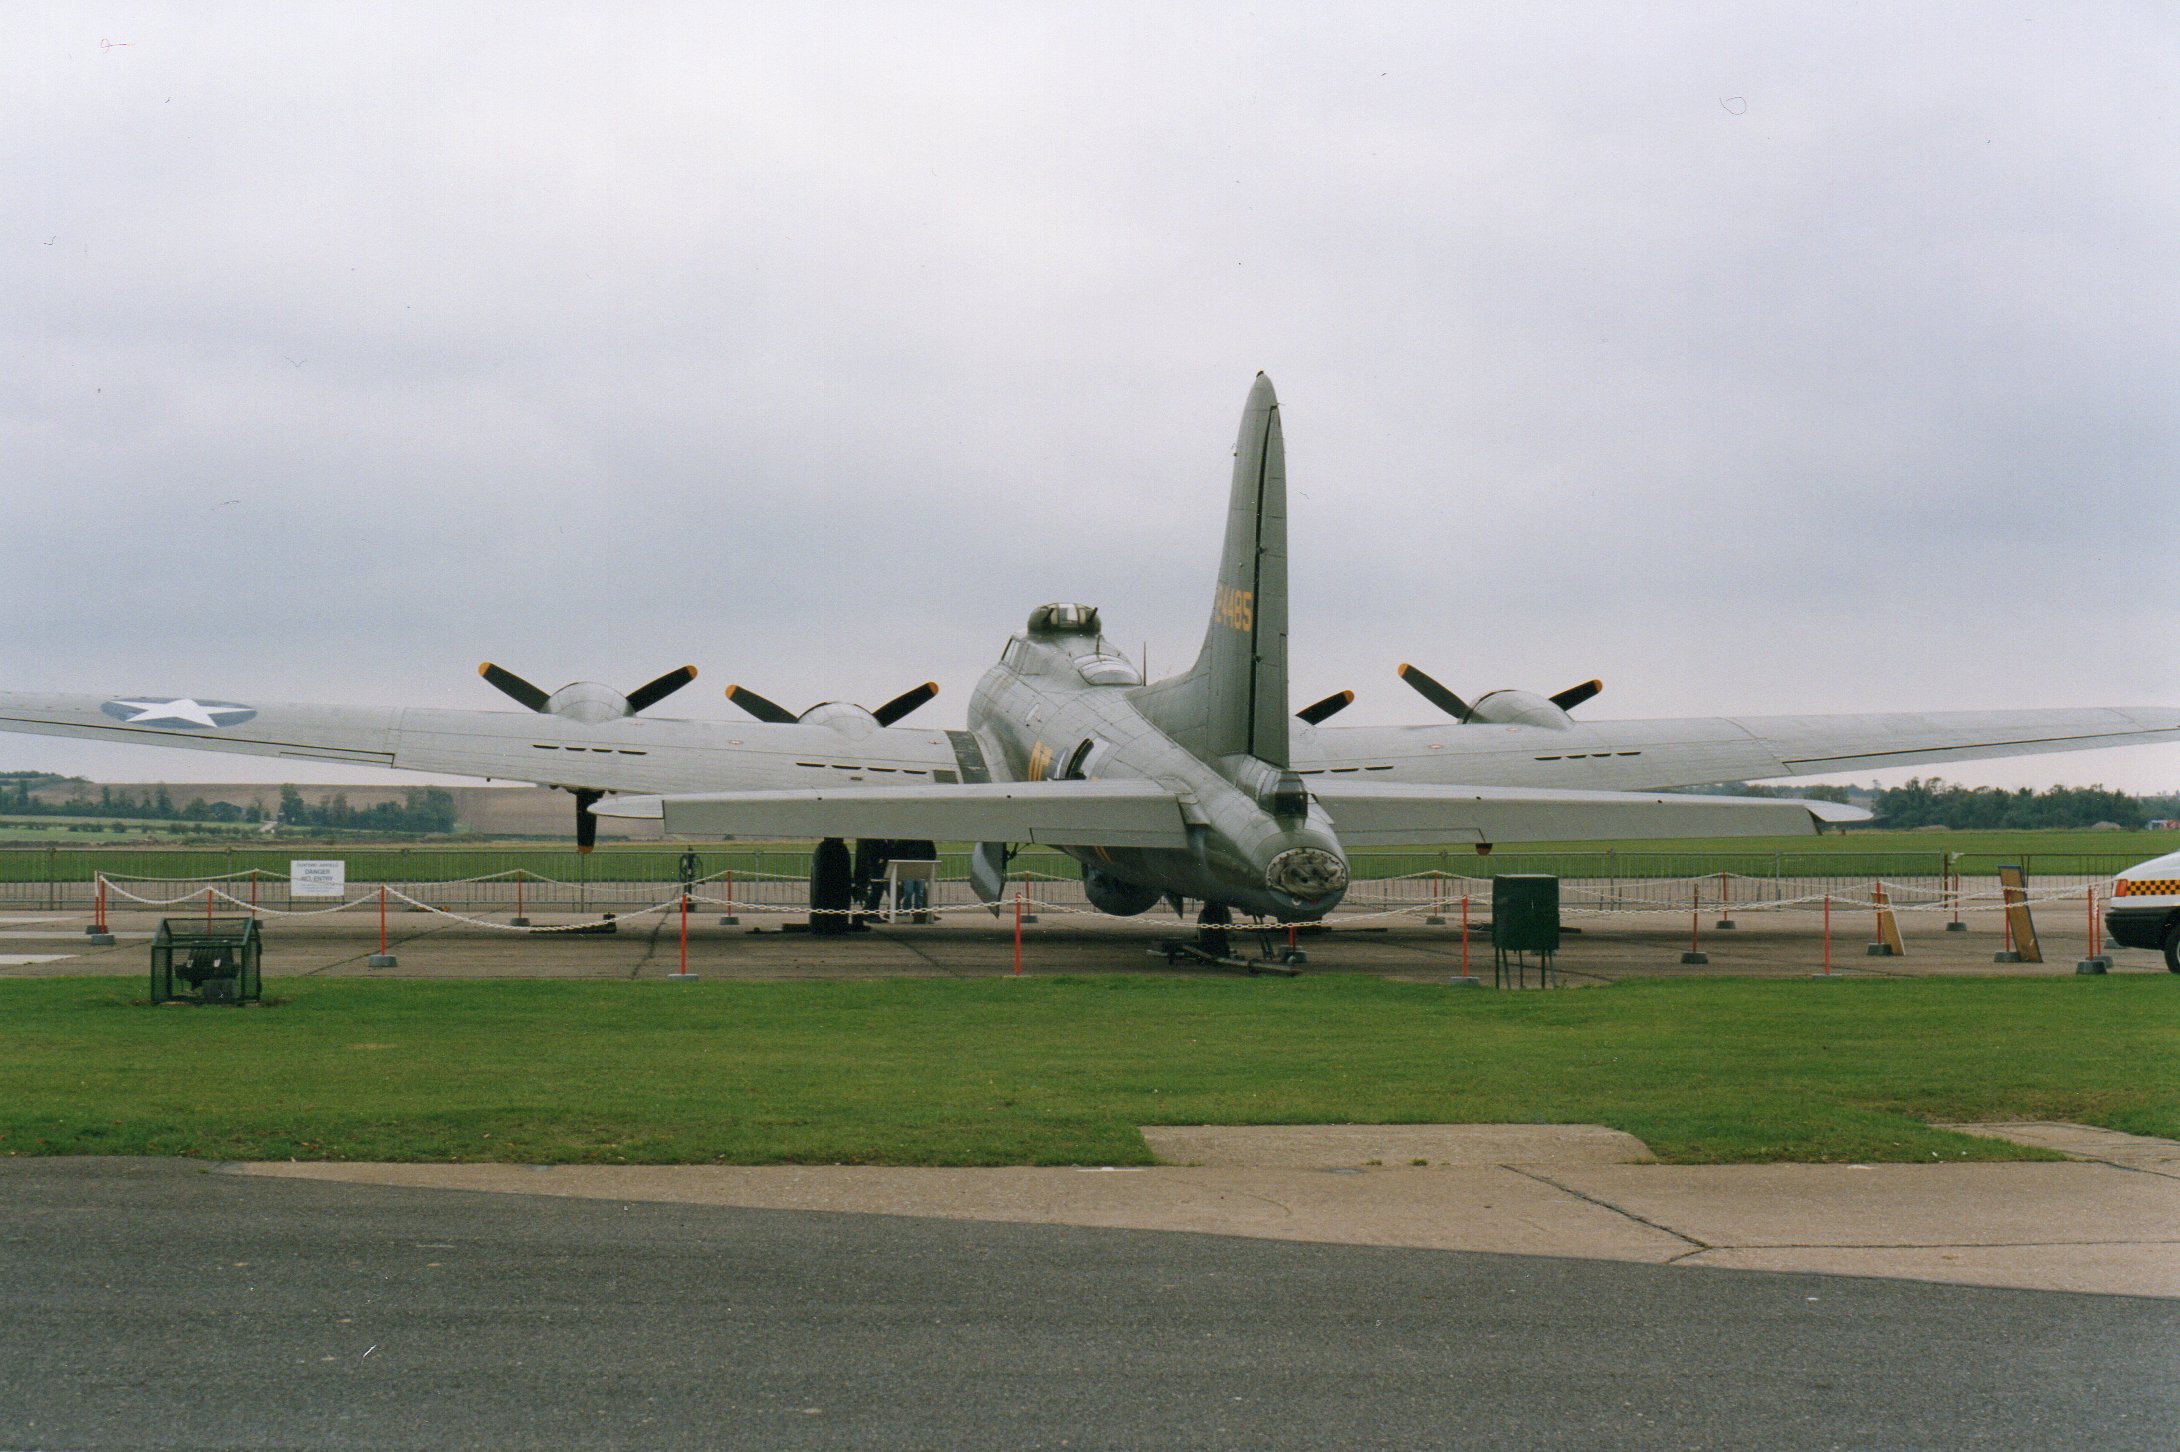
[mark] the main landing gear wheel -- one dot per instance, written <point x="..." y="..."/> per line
<point x="1212" y="948"/>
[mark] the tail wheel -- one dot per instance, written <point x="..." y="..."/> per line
<point x="2172" y="945"/>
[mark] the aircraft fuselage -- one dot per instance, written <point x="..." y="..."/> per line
<point x="1061" y="707"/>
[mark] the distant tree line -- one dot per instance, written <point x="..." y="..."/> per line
<point x="1937" y="803"/>
<point x="156" y="805"/>
<point x="420" y="811"/>
<point x="1813" y="792"/>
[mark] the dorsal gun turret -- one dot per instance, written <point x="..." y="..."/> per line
<point x="1064" y="619"/>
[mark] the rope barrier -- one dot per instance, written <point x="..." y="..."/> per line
<point x="1582" y="901"/>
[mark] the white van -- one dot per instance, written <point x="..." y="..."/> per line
<point x="2144" y="911"/>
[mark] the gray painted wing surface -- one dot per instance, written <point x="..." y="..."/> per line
<point x="1059" y="813"/>
<point x="1393" y="814"/>
<point x="1691" y="751"/>
<point x="632" y="754"/>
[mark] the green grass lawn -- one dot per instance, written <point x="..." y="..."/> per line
<point x="1854" y="854"/>
<point x="1060" y="1070"/>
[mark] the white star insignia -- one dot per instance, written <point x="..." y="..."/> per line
<point x="186" y="711"/>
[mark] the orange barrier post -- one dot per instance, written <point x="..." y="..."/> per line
<point x="1889" y="943"/>
<point x="1695" y="953"/>
<point x="727" y="919"/>
<point x="521" y="919"/>
<point x="1955" y="926"/>
<point x="2095" y="962"/>
<point x="1725" y="902"/>
<point x="253" y="892"/>
<point x="98" y="934"/>
<point x="684" y="975"/>
<point x="1468" y="979"/>
<point x="1018" y="933"/>
<point x="1827" y="973"/>
<point x="382" y="958"/>
<point x="208" y="909"/>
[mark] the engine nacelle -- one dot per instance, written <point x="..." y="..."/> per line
<point x="588" y="702"/>
<point x="845" y="717"/>
<point x="1121" y="898"/>
<point x="1520" y="708"/>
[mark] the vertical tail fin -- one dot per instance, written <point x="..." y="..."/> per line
<point x="1233" y="702"/>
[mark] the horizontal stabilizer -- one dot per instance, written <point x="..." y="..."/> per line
<point x="1058" y="813"/>
<point x="1392" y="814"/>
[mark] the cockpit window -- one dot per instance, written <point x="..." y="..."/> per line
<point x="1108" y="670"/>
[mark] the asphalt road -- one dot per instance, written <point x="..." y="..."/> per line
<point x="156" y="1304"/>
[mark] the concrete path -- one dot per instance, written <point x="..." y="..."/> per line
<point x="2103" y="1225"/>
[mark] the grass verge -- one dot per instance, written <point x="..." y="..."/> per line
<point x="1061" y="1071"/>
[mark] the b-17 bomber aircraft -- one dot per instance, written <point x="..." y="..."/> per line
<point x="1205" y="786"/>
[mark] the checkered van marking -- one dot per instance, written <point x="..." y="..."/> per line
<point x="2147" y="887"/>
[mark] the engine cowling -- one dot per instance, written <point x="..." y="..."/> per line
<point x="1520" y="708"/>
<point x="845" y="717"/>
<point x="1116" y="895"/>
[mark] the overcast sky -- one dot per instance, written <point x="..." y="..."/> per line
<point x="1756" y="359"/>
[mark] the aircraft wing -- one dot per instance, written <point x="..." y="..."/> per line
<point x="1649" y="755"/>
<point x="628" y="754"/>
<point x="1061" y="813"/>
<point x="1393" y="814"/>
<point x="1806" y="745"/>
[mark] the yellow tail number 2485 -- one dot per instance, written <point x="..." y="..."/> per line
<point x="1235" y="609"/>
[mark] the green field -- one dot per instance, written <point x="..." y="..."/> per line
<point x="1061" y="1071"/>
<point x="1854" y="854"/>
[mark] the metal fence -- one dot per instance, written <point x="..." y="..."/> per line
<point x="775" y="878"/>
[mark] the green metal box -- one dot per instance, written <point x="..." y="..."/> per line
<point x="1525" y="913"/>
<point x="216" y="959"/>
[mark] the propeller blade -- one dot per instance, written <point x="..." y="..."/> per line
<point x="1574" y="696"/>
<point x="1331" y="705"/>
<point x="653" y="692"/>
<point x="1435" y="693"/>
<point x="759" y="707"/>
<point x="586" y="825"/>
<point x="905" y="702"/>
<point x="515" y="686"/>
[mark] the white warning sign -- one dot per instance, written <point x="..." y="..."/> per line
<point x="317" y="879"/>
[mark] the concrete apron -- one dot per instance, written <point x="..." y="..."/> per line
<point x="2108" y="1221"/>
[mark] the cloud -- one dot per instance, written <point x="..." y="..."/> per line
<point x="817" y="347"/>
